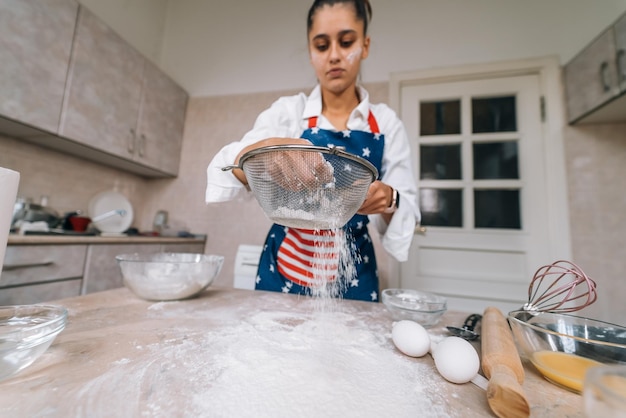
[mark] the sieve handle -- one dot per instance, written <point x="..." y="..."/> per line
<point x="230" y="167"/>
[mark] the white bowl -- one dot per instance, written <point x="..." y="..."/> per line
<point x="26" y="332"/>
<point x="422" y="307"/>
<point x="169" y="276"/>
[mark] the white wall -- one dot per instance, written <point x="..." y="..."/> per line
<point x="222" y="47"/>
<point x="140" y="22"/>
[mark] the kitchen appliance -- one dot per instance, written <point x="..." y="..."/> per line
<point x="306" y="186"/>
<point x="33" y="212"/>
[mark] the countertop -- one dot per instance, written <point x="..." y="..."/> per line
<point x="15" y="239"/>
<point x="238" y="353"/>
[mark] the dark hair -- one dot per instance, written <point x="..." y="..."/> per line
<point x="362" y="8"/>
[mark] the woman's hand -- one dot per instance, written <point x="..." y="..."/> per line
<point x="292" y="170"/>
<point x="377" y="200"/>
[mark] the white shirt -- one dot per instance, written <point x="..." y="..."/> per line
<point x="288" y="117"/>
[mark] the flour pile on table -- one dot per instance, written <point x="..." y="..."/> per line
<point x="276" y="364"/>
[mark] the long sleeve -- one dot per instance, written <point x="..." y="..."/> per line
<point x="398" y="173"/>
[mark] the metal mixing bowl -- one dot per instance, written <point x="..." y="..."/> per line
<point x="562" y="346"/>
<point x="26" y="332"/>
<point x="168" y="276"/>
<point x="422" y="307"/>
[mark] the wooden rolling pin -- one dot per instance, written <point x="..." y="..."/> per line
<point x="503" y="367"/>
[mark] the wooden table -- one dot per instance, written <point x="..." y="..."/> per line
<point x="238" y="353"/>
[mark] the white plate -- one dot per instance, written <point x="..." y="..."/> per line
<point x="105" y="202"/>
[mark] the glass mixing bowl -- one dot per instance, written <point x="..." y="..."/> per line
<point x="563" y="347"/>
<point x="422" y="307"/>
<point x="26" y="332"/>
<point x="169" y="276"/>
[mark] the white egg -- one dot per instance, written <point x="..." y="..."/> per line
<point x="456" y="360"/>
<point x="410" y="338"/>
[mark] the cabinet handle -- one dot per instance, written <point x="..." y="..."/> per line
<point x="605" y="77"/>
<point x="142" y="145"/>
<point x="131" y="142"/>
<point x="621" y="66"/>
<point x="10" y="267"/>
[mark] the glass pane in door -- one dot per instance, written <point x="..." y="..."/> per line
<point x="494" y="114"/>
<point x="497" y="209"/>
<point x="440" y="162"/>
<point x="495" y="160"/>
<point x="441" y="207"/>
<point x="440" y="118"/>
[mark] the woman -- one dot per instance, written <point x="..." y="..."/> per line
<point x="337" y="112"/>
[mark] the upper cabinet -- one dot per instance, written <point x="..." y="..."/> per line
<point x="595" y="80"/>
<point x="103" y="89"/>
<point x="158" y="139"/>
<point x="119" y="102"/>
<point x="69" y="82"/>
<point x="35" y="44"/>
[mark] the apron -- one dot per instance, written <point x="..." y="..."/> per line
<point x="300" y="261"/>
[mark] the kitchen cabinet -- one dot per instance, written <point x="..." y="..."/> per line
<point x="60" y="268"/>
<point x="161" y="121"/>
<point x="119" y="102"/>
<point x="595" y="80"/>
<point x="35" y="273"/>
<point x="35" y="44"/>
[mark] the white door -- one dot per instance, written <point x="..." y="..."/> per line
<point x="479" y="159"/>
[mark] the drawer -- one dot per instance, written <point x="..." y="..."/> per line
<point x="38" y="293"/>
<point x="42" y="263"/>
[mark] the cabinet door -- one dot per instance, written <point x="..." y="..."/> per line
<point x="38" y="293"/>
<point x="101" y="269"/>
<point x="35" y="43"/>
<point x="591" y="77"/>
<point x="620" y="41"/>
<point x="161" y="121"/>
<point x="42" y="263"/>
<point x="104" y="88"/>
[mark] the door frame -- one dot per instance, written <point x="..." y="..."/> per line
<point x="549" y="71"/>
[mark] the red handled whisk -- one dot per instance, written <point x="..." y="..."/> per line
<point x="557" y="288"/>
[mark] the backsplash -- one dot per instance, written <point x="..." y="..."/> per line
<point x="67" y="181"/>
<point x="595" y="154"/>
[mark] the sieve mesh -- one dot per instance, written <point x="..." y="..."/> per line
<point x="308" y="187"/>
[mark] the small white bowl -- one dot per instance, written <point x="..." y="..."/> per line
<point x="169" y="276"/>
<point x="422" y="307"/>
<point x="26" y="332"/>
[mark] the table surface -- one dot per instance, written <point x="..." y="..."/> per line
<point x="232" y="352"/>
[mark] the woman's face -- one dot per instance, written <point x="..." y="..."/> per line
<point x="336" y="47"/>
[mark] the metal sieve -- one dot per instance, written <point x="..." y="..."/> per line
<point x="307" y="186"/>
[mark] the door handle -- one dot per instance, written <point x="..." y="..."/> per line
<point x="131" y="142"/>
<point x="419" y="230"/>
<point x="605" y="77"/>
